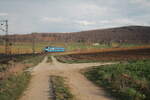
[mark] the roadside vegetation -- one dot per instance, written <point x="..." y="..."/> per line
<point x="31" y="60"/>
<point x="3" y="67"/>
<point x="26" y="60"/>
<point x="124" y="81"/>
<point x="12" y="86"/>
<point x="60" y="91"/>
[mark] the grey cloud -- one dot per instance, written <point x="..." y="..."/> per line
<point x="27" y="16"/>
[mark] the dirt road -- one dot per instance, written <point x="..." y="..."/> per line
<point x="81" y="88"/>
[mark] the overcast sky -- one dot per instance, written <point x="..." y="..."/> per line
<point x="26" y="16"/>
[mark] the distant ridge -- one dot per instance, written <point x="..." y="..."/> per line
<point x="126" y="34"/>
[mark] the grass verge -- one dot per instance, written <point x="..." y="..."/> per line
<point x="12" y="87"/>
<point x="59" y="89"/>
<point x="49" y="60"/>
<point x="29" y="59"/>
<point x="124" y="81"/>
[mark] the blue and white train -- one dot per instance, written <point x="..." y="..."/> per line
<point x="54" y="49"/>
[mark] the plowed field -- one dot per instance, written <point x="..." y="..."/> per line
<point x="112" y="54"/>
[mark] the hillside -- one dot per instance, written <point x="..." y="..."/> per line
<point x="128" y="34"/>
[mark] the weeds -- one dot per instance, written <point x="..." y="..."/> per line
<point x="60" y="89"/>
<point x="125" y="81"/>
<point x="3" y="67"/>
<point x="11" y="88"/>
<point x="49" y="59"/>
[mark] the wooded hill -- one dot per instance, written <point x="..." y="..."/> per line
<point x="128" y="34"/>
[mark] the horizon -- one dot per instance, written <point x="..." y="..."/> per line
<point x="76" y="31"/>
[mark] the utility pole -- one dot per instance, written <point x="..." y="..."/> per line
<point x="7" y="40"/>
<point x="33" y="43"/>
<point x="4" y="28"/>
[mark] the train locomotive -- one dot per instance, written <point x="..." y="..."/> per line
<point x="54" y="49"/>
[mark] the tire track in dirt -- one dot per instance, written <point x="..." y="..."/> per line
<point x="38" y="88"/>
<point x="80" y="87"/>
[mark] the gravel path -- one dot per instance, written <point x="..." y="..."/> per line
<point x="80" y="87"/>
